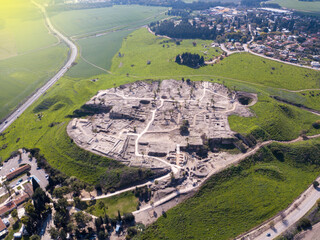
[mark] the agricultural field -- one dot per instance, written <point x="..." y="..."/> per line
<point x="20" y="22"/>
<point x="97" y="53"/>
<point x="301" y="6"/>
<point x="22" y="75"/>
<point x="111" y="24"/>
<point x="141" y="47"/>
<point x="242" y="196"/>
<point x="86" y="21"/>
<point x="24" y="44"/>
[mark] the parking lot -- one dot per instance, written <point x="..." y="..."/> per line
<point x="14" y="163"/>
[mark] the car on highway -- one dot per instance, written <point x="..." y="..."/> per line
<point x="268" y="235"/>
<point x="47" y="176"/>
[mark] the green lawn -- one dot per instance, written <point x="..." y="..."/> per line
<point x="22" y="75"/>
<point x="141" y="46"/>
<point x="125" y="203"/>
<point x="241" y="197"/>
<point x="81" y="22"/>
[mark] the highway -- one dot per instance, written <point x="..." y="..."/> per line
<point x="72" y="57"/>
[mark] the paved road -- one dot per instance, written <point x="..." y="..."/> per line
<point x="72" y="57"/>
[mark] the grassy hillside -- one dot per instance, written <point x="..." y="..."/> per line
<point x="141" y="46"/>
<point x="274" y="120"/>
<point x="241" y="197"/>
<point x="34" y="128"/>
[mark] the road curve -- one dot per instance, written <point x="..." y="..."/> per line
<point x="72" y="57"/>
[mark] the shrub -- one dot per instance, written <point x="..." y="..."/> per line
<point x="304" y="224"/>
<point x="316" y="124"/>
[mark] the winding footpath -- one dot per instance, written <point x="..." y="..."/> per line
<point x="72" y="57"/>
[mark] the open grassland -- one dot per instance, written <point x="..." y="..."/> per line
<point x="22" y="75"/>
<point x="303" y="6"/>
<point x="274" y="120"/>
<point x="22" y="28"/>
<point x="243" y="196"/>
<point x="141" y="47"/>
<point x="125" y="203"/>
<point x="82" y="22"/>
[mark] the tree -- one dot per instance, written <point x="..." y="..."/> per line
<point x="178" y="59"/>
<point x="101" y="235"/>
<point x="81" y="218"/>
<point x="39" y="200"/>
<point x="119" y="216"/>
<point x="103" y="206"/>
<point x="35" y="237"/>
<point x="54" y="233"/>
<point x="315" y="184"/>
<point x="128" y="218"/>
<point x="5" y="184"/>
<point x="14" y="214"/>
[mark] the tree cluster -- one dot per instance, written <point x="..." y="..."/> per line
<point x="36" y="211"/>
<point x="190" y="60"/>
<point x="184" y="30"/>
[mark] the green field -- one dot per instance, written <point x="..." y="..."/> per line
<point x="142" y="46"/>
<point x="70" y="93"/>
<point x="29" y="55"/>
<point x="112" y="23"/>
<point x="83" y="22"/>
<point x="98" y="51"/>
<point x="22" y="28"/>
<point x="274" y="120"/>
<point x="125" y="203"/>
<point x="241" y="197"/>
<point x="302" y="6"/>
<point x="22" y="75"/>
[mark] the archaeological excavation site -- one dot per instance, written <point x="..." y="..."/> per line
<point x="163" y="124"/>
